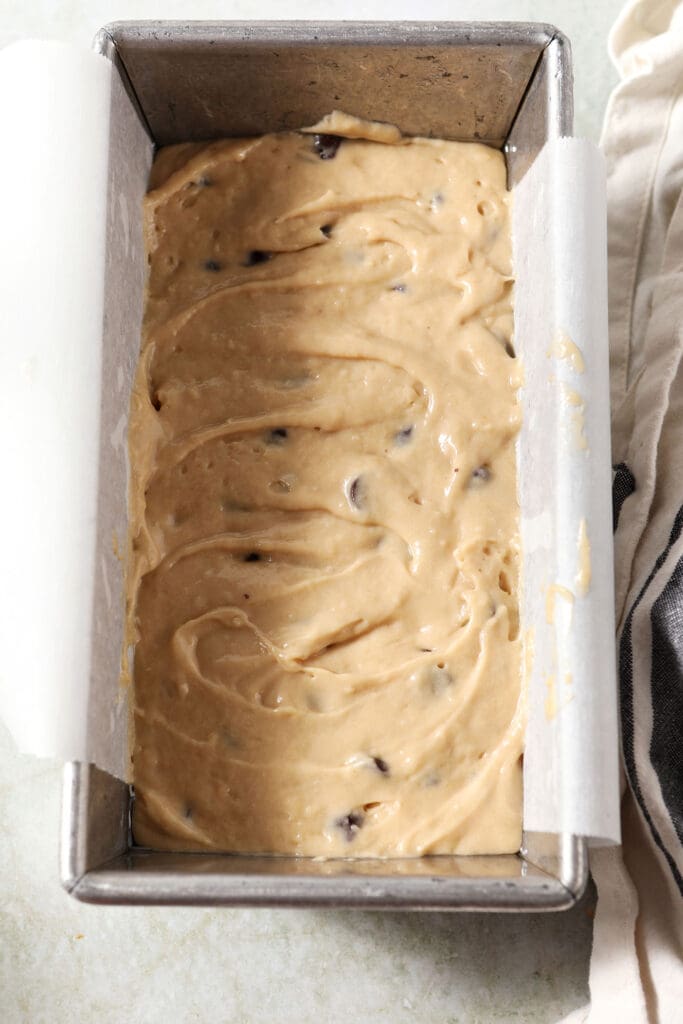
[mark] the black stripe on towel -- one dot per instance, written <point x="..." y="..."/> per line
<point x="626" y="699"/>
<point x="666" y="750"/>
<point x="623" y="486"/>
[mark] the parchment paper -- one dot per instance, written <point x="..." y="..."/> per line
<point x="54" y="106"/>
<point x="571" y="779"/>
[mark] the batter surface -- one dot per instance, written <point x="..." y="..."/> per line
<point x="324" y="549"/>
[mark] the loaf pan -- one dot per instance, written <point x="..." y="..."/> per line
<point x="507" y="85"/>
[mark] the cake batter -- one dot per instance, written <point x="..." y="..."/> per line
<point x="324" y="523"/>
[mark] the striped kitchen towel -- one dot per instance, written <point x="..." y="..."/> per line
<point x="636" y="972"/>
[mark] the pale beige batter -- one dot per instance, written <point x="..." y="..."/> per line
<point x="323" y="585"/>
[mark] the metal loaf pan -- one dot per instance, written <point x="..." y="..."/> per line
<point x="508" y="85"/>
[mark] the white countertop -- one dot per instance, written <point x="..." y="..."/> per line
<point x="66" y="962"/>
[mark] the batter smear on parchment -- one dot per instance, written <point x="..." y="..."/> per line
<point x="324" y="542"/>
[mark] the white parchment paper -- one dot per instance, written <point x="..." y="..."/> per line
<point x="54" y="111"/>
<point x="571" y="781"/>
<point x="67" y="357"/>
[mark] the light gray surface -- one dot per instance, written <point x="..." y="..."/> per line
<point x="64" y="962"/>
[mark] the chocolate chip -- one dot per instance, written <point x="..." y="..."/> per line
<point x="381" y="765"/>
<point x="156" y="401"/>
<point x="439" y="679"/>
<point x="326" y="229"/>
<point x="510" y="349"/>
<point x="253" y="556"/>
<point x="213" y="265"/>
<point x="480" y="475"/>
<point x="403" y="436"/>
<point x="432" y="779"/>
<point x="326" y="146"/>
<point x="229" y="740"/>
<point x="399" y="288"/>
<point x="356" y="493"/>
<point x="277" y="436"/>
<point x="313" y="702"/>
<point x="350" y="824"/>
<point x="256" y="256"/>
